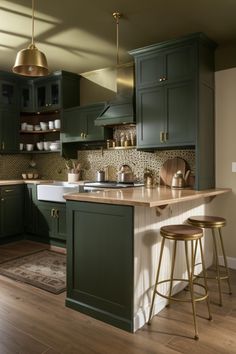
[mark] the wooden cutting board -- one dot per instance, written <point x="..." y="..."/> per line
<point x="170" y="167"/>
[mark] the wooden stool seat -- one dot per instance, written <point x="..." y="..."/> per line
<point x="214" y="223"/>
<point x="185" y="234"/>
<point x="204" y="221"/>
<point x="181" y="232"/>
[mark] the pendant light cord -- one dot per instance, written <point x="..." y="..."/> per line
<point x="117" y="16"/>
<point x="32" y="22"/>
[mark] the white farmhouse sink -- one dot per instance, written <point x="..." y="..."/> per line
<point x="54" y="191"/>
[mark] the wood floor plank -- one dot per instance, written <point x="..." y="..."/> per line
<point x="33" y="321"/>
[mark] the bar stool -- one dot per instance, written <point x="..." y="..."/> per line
<point x="214" y="223"/>
<point x="187" y="234"/>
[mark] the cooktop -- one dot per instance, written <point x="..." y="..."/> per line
<point x="112" y="184"/>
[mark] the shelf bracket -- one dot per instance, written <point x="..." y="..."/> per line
<point x="160" y="209"/>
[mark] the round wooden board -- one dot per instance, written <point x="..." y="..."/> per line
<point x="170" y="167"/>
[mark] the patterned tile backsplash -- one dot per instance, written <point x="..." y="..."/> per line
<point x="52" y="166"/>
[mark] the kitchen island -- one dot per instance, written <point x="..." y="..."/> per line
<point x="113" y="248"/>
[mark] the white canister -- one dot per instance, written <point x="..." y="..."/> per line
<point x="51" y="124"/>
<point x="57" y="123"/>
<point x="23" y="126"/>
<point x="73" y="177"/>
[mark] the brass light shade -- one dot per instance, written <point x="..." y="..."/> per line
<point x="30" y="61"/>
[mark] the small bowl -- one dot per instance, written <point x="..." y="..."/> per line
<point x="30" y="175"/>
<point x="39" y="145"/>
<point x="24" y="175"/>
<point x="29" y="127"/>
<point x="37" y="127"/>
<point x="36" y="175"/>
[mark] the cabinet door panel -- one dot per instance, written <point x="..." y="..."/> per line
<point x="43" y="220"/>
<point x="73" y="125"/>
<point x="60" y="222"/>
<point x="181" y="114"/>
<point x="9" y="133"/>
<point x="11" y="211"/>
<point x="180" y="64"/>
<point x="150" y="116"/>
<point x="150" y="69"/>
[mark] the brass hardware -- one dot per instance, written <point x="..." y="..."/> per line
<point x="166" y="136"/>
<point x="3" y="145"/>
<point x="2" y="199"/>
<point x="162" y="137"/>
<point x="52" y="213"/>
<point x="161" y="79"/>
<point x="56" y="213"/>
<point x="8" y="190"/>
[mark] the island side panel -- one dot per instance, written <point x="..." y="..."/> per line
<point x="100" y="261"/>
<point x="147" y="241"/>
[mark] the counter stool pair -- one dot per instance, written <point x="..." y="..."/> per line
<point x="192" y="233"/>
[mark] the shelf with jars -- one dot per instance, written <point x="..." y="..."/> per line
<point x="124" y="137"/>
<point x="40" y="132"/>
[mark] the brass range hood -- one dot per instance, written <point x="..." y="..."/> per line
<point x="120" y="110"/>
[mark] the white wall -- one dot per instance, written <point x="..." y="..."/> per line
<point x="226" y="154"/>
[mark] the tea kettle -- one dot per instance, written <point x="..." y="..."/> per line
<point x="125" y="174"/>
<point x="179" y="180"/>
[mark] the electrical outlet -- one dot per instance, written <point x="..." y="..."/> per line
<point x="233" y="166"/>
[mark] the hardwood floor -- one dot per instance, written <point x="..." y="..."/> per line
<point x="33" y="321"/>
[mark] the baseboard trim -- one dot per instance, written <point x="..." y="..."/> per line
<point x="230" y="260"/>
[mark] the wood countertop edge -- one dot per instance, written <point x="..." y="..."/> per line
<point x="97" y="198"/>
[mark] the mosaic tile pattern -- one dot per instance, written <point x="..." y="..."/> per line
<point x="52" y="165"/>
<point x="94" y="160"/>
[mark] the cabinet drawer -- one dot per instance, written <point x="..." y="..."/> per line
<point x="11" y="190"/>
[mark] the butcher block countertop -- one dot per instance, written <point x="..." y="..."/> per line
<point x="142" y="196"/>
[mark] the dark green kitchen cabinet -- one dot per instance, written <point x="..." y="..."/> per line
<point x="9" y="130"/>
<point x="100" y="261"/>
<point x="9" y="91"/>
<point x="78" y="124"/>
<point x="11" y="210"/>
<point x="175" y="100"/>
<point x="27" y="99"/>
<point x="50" y="220"/>
<point x="58" y="90"/>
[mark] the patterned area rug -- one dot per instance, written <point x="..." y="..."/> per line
<point x="44" y="269"/>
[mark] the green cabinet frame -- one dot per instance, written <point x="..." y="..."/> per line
<point x="175" y="100"/>
<point x="100" y="261"/>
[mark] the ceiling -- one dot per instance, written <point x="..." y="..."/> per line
<point x="80" y="36"/>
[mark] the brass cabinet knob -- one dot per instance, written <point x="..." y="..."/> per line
<point x="162" y="137"/>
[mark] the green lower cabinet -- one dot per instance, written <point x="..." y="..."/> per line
<point x="100" y="261"/>
<point x="50" y="220"/>
<point x="30" y="208"/>
<point x="11" y="210"/>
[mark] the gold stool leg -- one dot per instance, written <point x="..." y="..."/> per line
<point x="225" y="261"/>
<point x="190" y="278"/>
<point x="172" y="271"/>
<point x="157" y="277"/>
<point x="205" y="279"/>
<point x="217" y="266"/>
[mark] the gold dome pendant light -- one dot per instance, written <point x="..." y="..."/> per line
<point x="30" y="61"/>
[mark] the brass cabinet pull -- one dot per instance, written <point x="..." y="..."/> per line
<point x="2" y="199"/>
<point x="162" y="137"/>
<point x="57" y="213"/>
<point x="3" y="145"/>
<point x="81" y="135"/>
<point x="53" y="213"/>
<point x="166" y="136"/>
<point x="164" y="78"/>
<point x="8" y="190"/>
<point x="161" y="79"/>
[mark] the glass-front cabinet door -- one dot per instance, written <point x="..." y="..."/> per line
<point x="48" y="95"/>
<point x="8" y="94"/>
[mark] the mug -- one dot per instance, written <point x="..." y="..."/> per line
<point x="57" y="123"/>
<point x="51" y="124"/>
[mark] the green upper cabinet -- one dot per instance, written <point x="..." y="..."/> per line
<point x="9" y="94"/>
<point x="165" y="92"/>
<point x="78" y="124"/>
<point x="175" y="99"/>
<point x="27" y="99"/>
<point x="9" y="131"/>
<point x="56" y="91"/>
